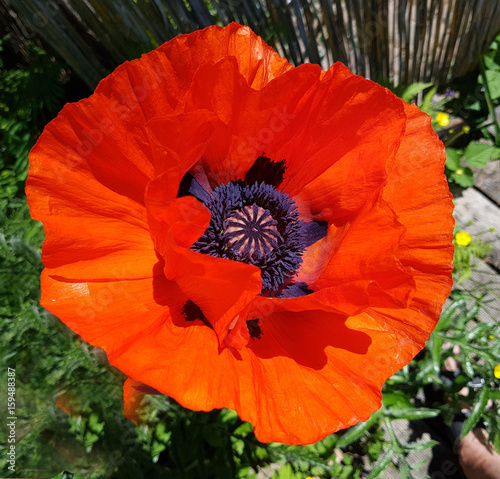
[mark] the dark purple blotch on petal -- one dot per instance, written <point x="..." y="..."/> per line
<point x="267" y="171"/>
<point x="254" y="328"/>
<point x="191" y="311"/>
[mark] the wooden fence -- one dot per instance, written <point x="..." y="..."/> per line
<point x="401" y="41"/>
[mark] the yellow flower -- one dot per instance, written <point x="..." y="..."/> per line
<point x="466" y="129"/>
<point x="463" y="238"/>
<point x="443" y="118"/>
<point x="497" y="371"/>
<point x="460" y="172"/>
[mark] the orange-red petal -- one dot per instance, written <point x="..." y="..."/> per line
<point x="119" y="270"/>
<point x="261" y="381"/>
<point x="132" y="398"/>
<point x="93" y="210"/>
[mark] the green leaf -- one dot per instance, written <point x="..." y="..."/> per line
<point x="382" y="464"/>
<point x="477" y="410"/>
<point x="245" y="473"/>
<point x="348" y="472"/>
<point x="243" y="430"/>
<point x="453" y="157"/>
<point x="495" y="394"/>
<point x="465" y="179"/>
<point x="493" y="80"/>
<point x="157" y="448"/>
<point x="239" y="446"/>
<point x="490" y="64"/>
<point x="479" y="154"/>
<point x="375" y="448"/>
<point x="479" y="248"/>
<point x="418" y="465"/>
<point x="465" y="274"/>
<point x="396" y="399"/>
<point x="286" y="472"/>
<point x="161" y="433"/>
<point x="413" y="413"/>
<point x="355" y="432"/>
<point x="448" y="314"/>
<point x="473" y="105"/>
<point x="477" y="331"/>
<point x="94" y="423"/>
<point x="404" y="470"/>
<point x="90" y="439"/>
<point x="421" y="446"/>
<point x="424" y="372"/>
<point x="228" y="415"/>
<point x="411" y="91"/>
<point x="317" y="470"/>
<point x="426" y="105"/>
<point x="436" y="344"/>
<point x="467" y="366"/>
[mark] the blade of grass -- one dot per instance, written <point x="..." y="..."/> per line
<point x="489" y="103"/>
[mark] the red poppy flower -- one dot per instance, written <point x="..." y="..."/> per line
<point x="239" y="233"/>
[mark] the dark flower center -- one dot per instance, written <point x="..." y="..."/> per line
<point x="251" y="232"/>
<point x="255" y="224"/>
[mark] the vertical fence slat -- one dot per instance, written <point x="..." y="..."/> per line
<point x="401" y="41"/>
